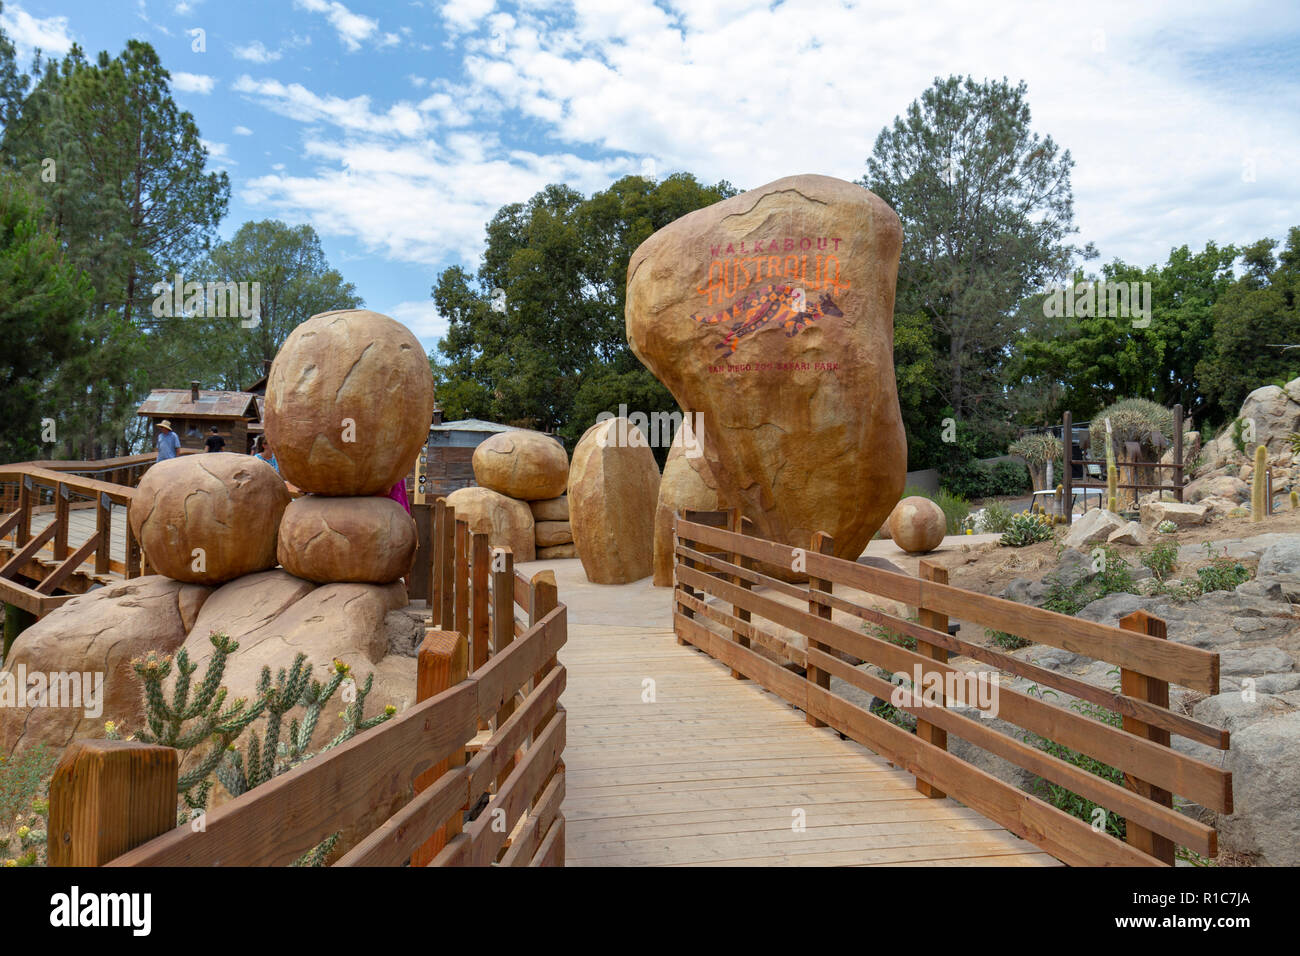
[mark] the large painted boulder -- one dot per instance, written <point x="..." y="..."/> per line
<point x="613" y="489"/>
<point x="520" y="464"/>
<point x="206" y="519"/>
<point x="363" y="540"/>
<point x="507" y="521"/>
<point x="688" y="482"/>
<point x="89" y="643"/>
<point x="348" y="403"/>
<point x="771" y="315"/>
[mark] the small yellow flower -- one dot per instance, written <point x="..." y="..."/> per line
<point x="390" y="710"/>
<point x="11" y="862"/>
<point x="23" y="831"/>
<point x="109" y="726"/>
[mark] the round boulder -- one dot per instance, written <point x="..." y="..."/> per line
<point x="348" y="403"/>
<point x="507" y="521"/>
<point x="334" y="540"/>
<point x="206" y="519"/>
<point x="529" y="466"/>
<point x="917" y="525"/>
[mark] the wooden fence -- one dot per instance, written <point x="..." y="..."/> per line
<point x="46" y="555"/>
<point x="469" y="775"/>
<point x="1069" y="484"/>
<point x="726" y="579"/>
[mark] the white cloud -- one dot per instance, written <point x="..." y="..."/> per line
<point x="49" y="34"/>
<point x="351" y="27"/>
<point x="242" y="131"/>
<point x="256" y="52"/>
<point x="218" y="153"/>
<point x="422" y="318"/>
<point x="461" y="16"/>
<point x="298" y="102"/>
<point x="193" y="83"/>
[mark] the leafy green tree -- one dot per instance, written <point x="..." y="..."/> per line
<point x="986" y="207"/>
<point x="45" y="299"/>
<point x="537" y="337"/>
<point x="1257" y="315"/>
<point x="133" y="203"/>
<point x="295" y="282"/>
<point x="13" y="82"/>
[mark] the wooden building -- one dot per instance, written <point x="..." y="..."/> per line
<point x="193" y="411"/>
<point x="450" y="452"/>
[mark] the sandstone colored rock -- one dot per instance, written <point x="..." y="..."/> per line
<point x="917" y="525"/>
<point x="687" y="483"/>
<point x="548" y="534"/>
<point x="348" y="403"/>
<point x="1217" y="486"/>
<point x="507" y="521"/>
<point x="557" y="551"/>
<point x="1182" y="515"/>
<point x="771" y="315"/>
<point x="550" y="509"/>
<point x="1094" y="527"/>
<point x="1130" y="533"/>
<point x="1276" y="414"/>
<point x="522" y="464"/>
<point x="365" y="540"/>
<point x="205" y="519"/>
<point x="99" y="633"/>
<point x="613" y="489"/>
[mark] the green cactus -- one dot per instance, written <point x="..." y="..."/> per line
<point x="1295" y="500"/>
<point x="1258" y="482"/>
<point x="1112" y="485"/>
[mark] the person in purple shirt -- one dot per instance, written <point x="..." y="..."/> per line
<point x="169" y="446"/>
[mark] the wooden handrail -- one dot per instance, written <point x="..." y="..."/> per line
<point x="1139" y="749"/>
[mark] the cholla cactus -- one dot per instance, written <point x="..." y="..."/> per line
<point x="1258" y="485"/>
<point x="1112" y="487"/>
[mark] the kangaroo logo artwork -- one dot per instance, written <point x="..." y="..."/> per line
<point x="805" y="265"/>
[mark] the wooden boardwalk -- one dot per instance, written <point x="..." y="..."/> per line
<point x="81" y="525"/>
<point x="717" y="771"/>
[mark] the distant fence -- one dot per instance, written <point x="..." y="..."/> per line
<point x="474" y="766"/>
<point x="716" y="606"/>
<point x="1133" y="468"/>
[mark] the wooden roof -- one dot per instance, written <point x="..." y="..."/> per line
<point x="178" y="403"/>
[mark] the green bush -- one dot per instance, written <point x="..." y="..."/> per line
<point x="1162" y="560"/>
<point x="1067" y="800"/>
<point x="1009" y="478"/>
<point x="1114" y="577"/>
<point x="997" y="518"/>
<point x="1009" y="642"/>
<point x="955" y="508"/>
<point x="1224" y="574"/>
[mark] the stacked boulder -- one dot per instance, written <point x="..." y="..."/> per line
<point x="519" y="501"/>
<point x="348" y="405"/>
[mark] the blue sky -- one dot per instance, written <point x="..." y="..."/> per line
<point x="397" y="129"/>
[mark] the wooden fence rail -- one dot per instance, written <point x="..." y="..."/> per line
<point x="45" y="555"/>
<point x="726" y="581"/>
<point x="469" y="775"/>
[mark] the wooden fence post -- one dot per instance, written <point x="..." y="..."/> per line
<point x="1180" y="477"/>
<point x="103" y="525"/>
<point x="822" y="543"/>
<point x="441" y="663"/>
<point x="448" y="569"/>
<point x="107" y="797"/>
<point x="460" y="597"/>
<point x="437" y="517"/>
<point x="62" y="505"/>
<point x="479" y="624"/>
<point x="26" y="492"/>
<point x="503" y="630"/>
<point x="1067" y="466"/>
<point x="1156" y="692"/>
<point x="545" y="597"/>
<point x="736" y="523"/>
<point x="929" y="571"/>
<point x="686" y="562"/>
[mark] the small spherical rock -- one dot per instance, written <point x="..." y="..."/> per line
<point x="917" y="525"/>
<point x="361" y="540"/>
<point x="529" y="466"/>
<point x="348" y="403"/>
<point x="207" y="519"/>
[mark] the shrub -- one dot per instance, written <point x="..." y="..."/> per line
<point x="1224" y="574"/>
<point x="1009" y="478"/>
<point x="955" y="508"/>
<point x="1067" y="800"/>
<point x="997" y="518"/>
<point x="1010" y="642"/>
<point x="1162" y="560"/>
<point x="24" y="782"/>
<point x="1026" y="528"/>
<point x="1114" y="577"/>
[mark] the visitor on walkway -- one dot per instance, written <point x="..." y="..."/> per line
<point x="262" y="451"/>
<point x="398" y="494"/>
<point x="214" y="442"/>
<point x="169" y="446"/>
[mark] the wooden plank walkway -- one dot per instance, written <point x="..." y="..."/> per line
<point x="81" y="525"/>
<point x="715" y="771"/>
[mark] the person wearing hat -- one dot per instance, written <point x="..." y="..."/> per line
<point x="169" y="446"/>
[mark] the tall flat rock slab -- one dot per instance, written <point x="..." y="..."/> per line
<point x="771" y="315"/>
